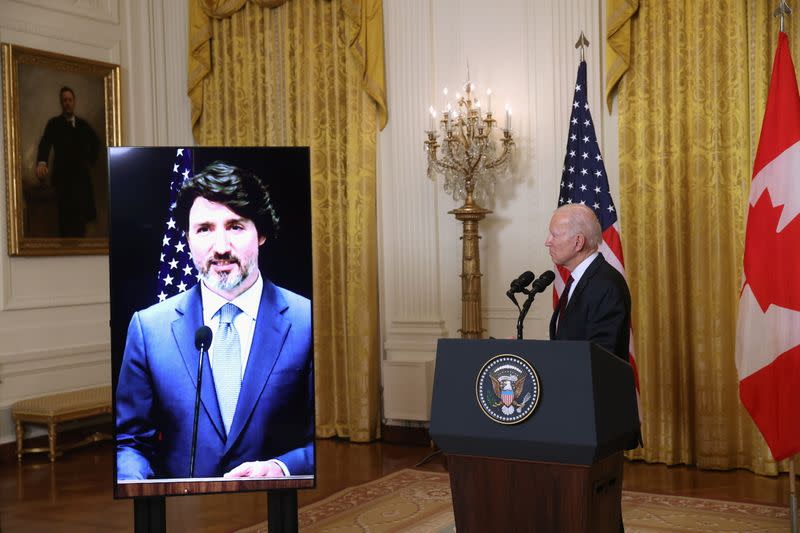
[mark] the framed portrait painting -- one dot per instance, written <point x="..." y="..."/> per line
<point x="60" y="114"/>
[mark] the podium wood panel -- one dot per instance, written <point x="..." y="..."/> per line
<point x="492" y="494"/>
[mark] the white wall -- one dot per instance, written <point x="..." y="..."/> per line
<point x="54" y="311"/>
<point x="524" y="50"/>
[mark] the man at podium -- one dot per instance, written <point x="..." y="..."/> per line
<point x="595" y="305"/>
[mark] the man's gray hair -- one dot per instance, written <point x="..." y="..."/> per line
<point x="582" y="219"/>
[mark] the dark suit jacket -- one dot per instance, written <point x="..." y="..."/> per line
<point x="599" y="310"/>
<point x="75" y="151"/>
<point x="155" y="398"/>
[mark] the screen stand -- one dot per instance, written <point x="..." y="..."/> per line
<point x="149" y="514"/>
<point x="282" y="511"/>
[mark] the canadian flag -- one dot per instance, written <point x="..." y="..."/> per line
<point x="768" y="329"/>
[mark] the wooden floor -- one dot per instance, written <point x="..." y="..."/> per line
<point x="74" y="495"/>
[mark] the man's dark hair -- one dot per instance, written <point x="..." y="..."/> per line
<point x="238" y="189"/>
<point x="65" y="89"/>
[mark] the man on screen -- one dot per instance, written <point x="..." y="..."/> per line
<point x="256" y="414"/>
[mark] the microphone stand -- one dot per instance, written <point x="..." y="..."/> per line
<point x="197" y="408"/>
<point x="524" y="311"/>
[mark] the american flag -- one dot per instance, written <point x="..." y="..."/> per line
<point x="176" y="272"/>
<point x="584" y="180"/>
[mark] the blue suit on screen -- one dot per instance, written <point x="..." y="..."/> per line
<point x="155" y="399"/>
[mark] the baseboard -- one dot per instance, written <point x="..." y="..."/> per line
<point x="8" y="450"/>
<point x="415" y="436"/>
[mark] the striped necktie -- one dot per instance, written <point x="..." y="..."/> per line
<point x="227" y="367"/>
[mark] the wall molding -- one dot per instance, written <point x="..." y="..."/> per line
<point x="175" y="73"/>
<point x="99" y="40"/>
<point x="45" y="360"/>
<point x="52" y="353"/>
<point x="102" y="10"/>
<point x="407" y="389"/>
<point x="408" y="218"/>
<point x="11" y="303"/>
<point x="508" y="313"/>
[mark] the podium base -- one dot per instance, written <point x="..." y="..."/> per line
<point x="492" y="494"/>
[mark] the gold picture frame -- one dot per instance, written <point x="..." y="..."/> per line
<point x="58" y="206"/>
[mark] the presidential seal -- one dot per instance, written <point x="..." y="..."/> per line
<point x="507" y="389"/>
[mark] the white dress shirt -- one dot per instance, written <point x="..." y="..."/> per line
<point x="244" y="322"/>
<point x="579" y="271"/>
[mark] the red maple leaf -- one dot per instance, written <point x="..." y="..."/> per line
<point x="772" y="259"/>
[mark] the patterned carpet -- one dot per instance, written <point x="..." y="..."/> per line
<point x="419" y="502"/>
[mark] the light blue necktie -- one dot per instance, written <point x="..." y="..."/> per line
<point x="227" y="365"/>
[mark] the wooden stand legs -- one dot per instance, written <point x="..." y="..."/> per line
<point x="282" y="511"/>
<point x="149" y="514"/>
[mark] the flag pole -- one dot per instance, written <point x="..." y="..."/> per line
<point x="782" y="9"/>
<point x="781" y="12"/>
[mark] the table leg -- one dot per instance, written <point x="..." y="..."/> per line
<point x="20" y="438"/>
<point x="51" y="437"/>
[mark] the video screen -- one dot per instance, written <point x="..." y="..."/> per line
<point x="211" y="319"/>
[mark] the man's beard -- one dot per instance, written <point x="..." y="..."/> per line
<point x="226" y="281"/>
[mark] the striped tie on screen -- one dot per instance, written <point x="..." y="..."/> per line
<point x="227" y="365"/>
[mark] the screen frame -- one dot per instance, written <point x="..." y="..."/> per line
<point x="139" y="200"/>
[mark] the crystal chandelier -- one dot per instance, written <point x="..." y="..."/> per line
<point x="473" y="157"/>
<point x="474" y="154"/>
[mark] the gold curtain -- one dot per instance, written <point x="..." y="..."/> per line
<point x="690" y="111"/>
<point x="310" y="73"/>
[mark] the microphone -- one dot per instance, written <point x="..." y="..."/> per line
<point x="203" y="335"/>
<point x="543" y="281"/>
<point x="538" y="286"/>
<point x="202" y="341"/>
<point x="519" y="284"/>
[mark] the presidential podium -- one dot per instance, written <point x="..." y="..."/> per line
<point x="533" y="433"/>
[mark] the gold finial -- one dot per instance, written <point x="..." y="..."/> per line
<point x="582" y="44"/>
<point x="782" y="10"/>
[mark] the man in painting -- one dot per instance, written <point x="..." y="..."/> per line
<point x="75" y="147"/>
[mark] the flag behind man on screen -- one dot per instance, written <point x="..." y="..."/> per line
<point x="177" y="272"/>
